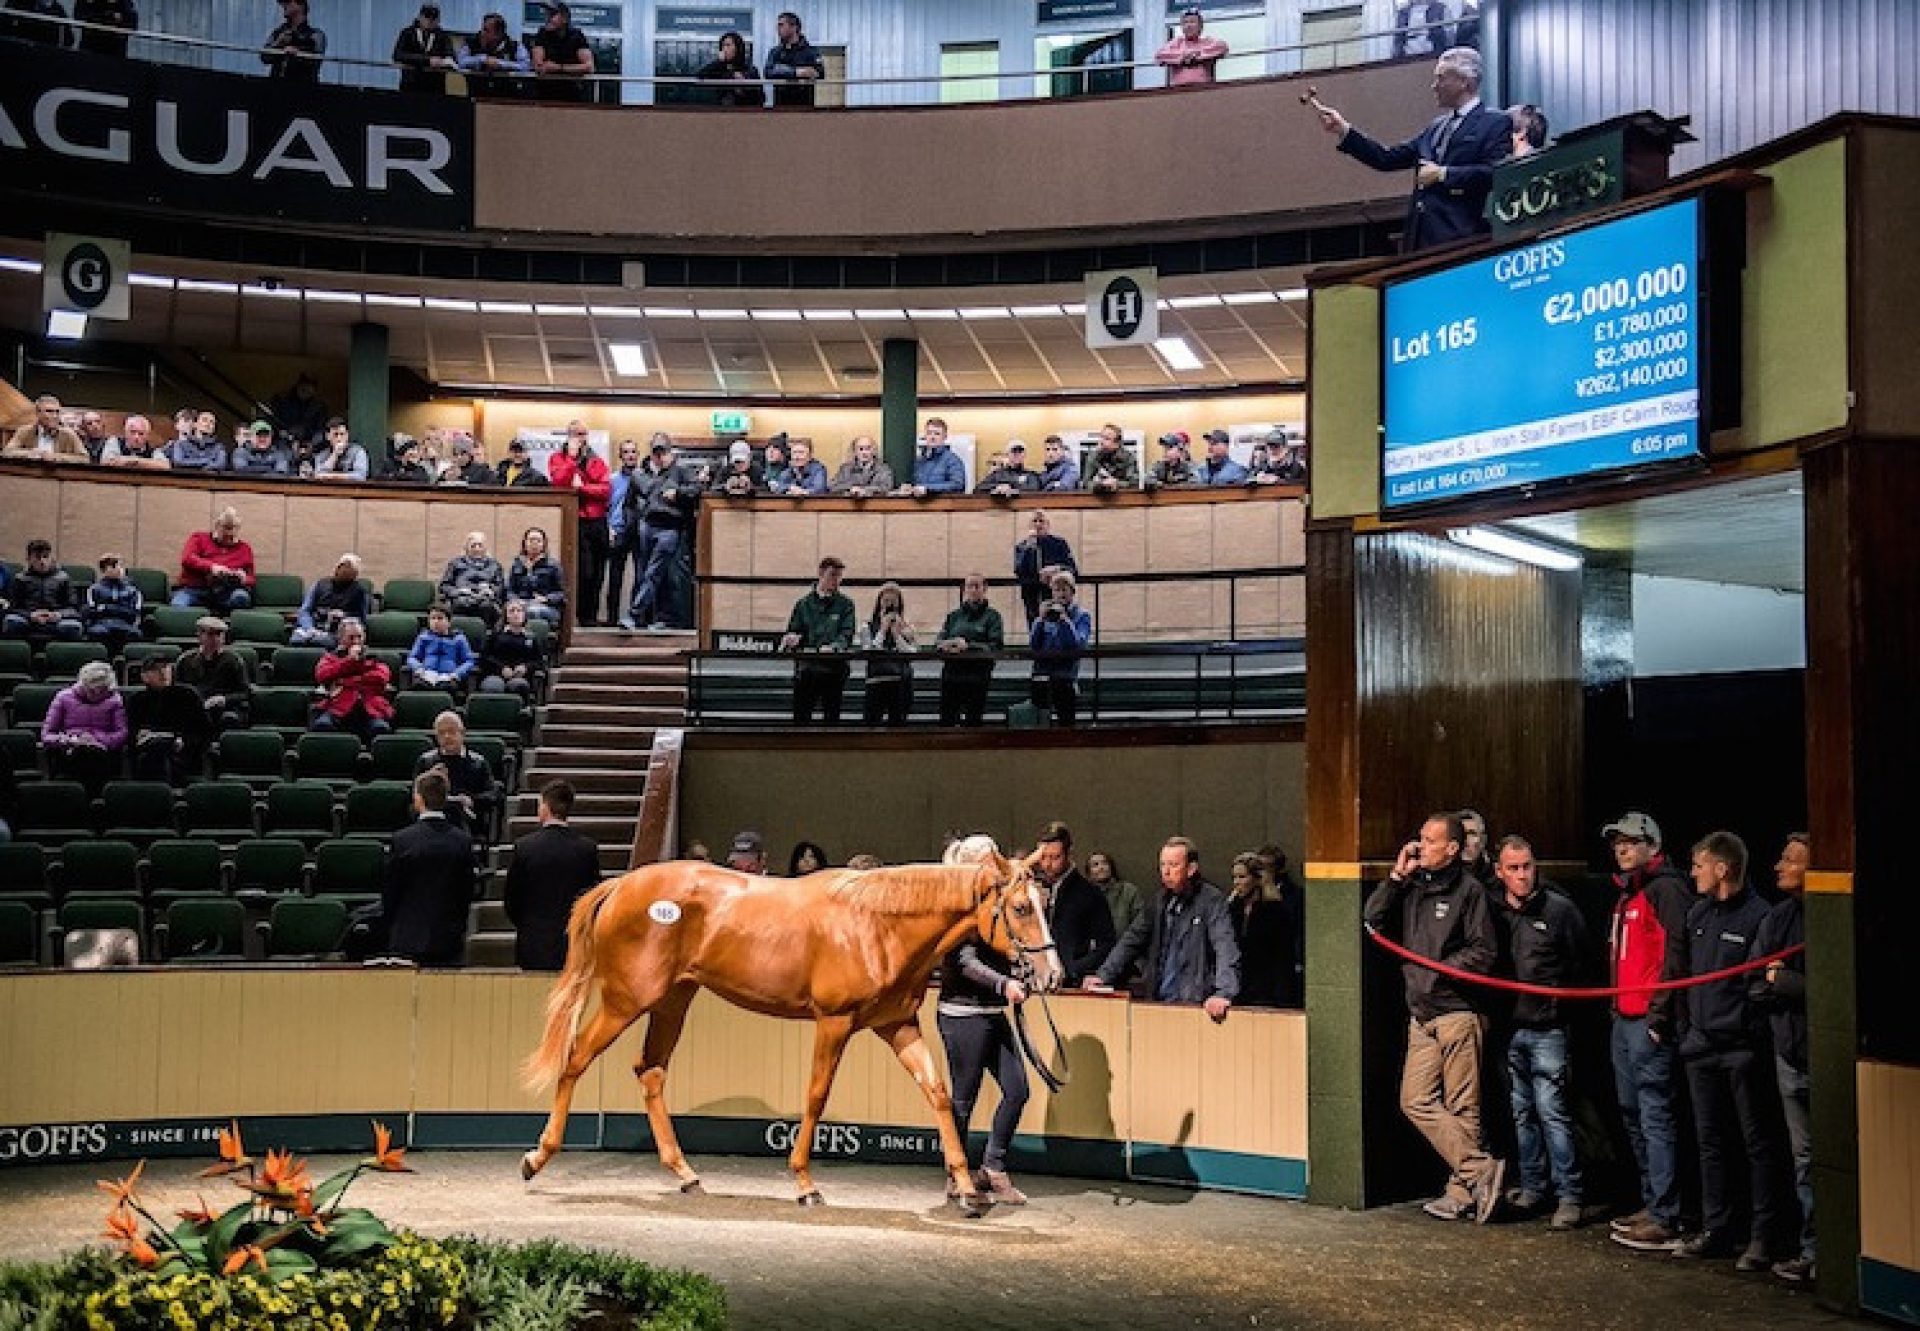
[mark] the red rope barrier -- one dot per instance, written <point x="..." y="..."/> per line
<point x="1548" y="991"/>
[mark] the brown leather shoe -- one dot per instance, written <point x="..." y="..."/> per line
<point x="999" y="1188"/>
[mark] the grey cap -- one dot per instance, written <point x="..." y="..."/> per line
<point x="747" y="843"/>
<point x="1634" y="825"/>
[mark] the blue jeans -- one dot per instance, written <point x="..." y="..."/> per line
<point x="1537" y="1075"/>
<point x="1644" y="1084"/>
<point x="1796" y="1099"/>
<point x="188" y="598"/>
<point x="657" y="549"/>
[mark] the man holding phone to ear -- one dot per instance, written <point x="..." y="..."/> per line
<point x="1432" y="906"/>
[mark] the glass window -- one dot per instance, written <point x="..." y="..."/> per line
<point x="965" y="58"/>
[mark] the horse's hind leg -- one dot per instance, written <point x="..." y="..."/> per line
<point x="592" y="1041"/>
<point x="910" y="1047"/>
<point x="663" y="1032"/>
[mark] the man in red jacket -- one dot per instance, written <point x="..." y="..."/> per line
<point x="578" y="468"/>
<point x="1652" y="907"/>
<point x="216" y="568"/>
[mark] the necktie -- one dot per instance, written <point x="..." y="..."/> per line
<point x="1446" y="137"/>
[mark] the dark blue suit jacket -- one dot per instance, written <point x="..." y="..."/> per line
<point x="1455" y="208"/>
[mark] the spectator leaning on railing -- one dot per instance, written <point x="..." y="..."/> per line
<point x="793" y="65"/>
<point x="119" y="14"/>
<point x="424" y="52"/>
<point x="44" y="438"/>
<point x="1190" y="57"/>
<point x="491" y="59"/>
<point x="863" y="473"/>
<point x="292" y="51"/>
<point x="561" y="57"/>
<point x="972" y="629"/>
<point x="134" y="447"/>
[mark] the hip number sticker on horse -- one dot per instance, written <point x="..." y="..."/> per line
<point x="663" y="912"/>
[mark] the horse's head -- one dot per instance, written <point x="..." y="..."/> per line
<point x="1012" y="917"/>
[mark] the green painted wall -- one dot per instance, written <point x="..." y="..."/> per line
<point x="1343" y="402"/>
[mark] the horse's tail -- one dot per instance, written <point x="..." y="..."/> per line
<point x="569" y="994"/>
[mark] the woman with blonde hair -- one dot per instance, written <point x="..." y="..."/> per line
<point x="1263" y="928"/>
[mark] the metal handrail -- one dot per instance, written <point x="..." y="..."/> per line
<point x="657" y="80"/>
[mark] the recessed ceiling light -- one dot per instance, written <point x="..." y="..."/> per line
<point x="149" y="280"/>
<point x="829" y="316"/>
<point x="389" y="299"/>
<point x="333" y="297"/>
<point x="778" y="316"/>
<point x="1293" y="293"/>
<point x="985" y="312"/>
<point x="933" y="314"/>
<point x="561" y="311"/>
<point x="20" y="265"/>
<point x="505" y="307"/>
<point x="1247" y="297"/>
<point x="271" y="293"/>
<point x="66" y="325"/>
<point x="628" y="359"/>
<point x="723" y="314"/>
<point x="1036" y="311"/>
<point x="1176" y="352"/>
<point x="1495" y="542"/>
<point x="881" y="314"/>
<point x="452" y="306"/>
<point x="1190" y="302"/>
<point x="1075" y="310"/>
<point x="652" y="311"/>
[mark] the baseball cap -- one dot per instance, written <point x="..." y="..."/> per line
<point x="1635" y="825"/>
<point x="261" y="427"/>
<point x="1218" y="437"/>
<point x="1179" y="437"/>
<point x="1015" y="446"/>
<point x="1276" y="436"/>
<point x="209" y="624"/>
<point x="739" y="451"/>
<point x="747" y="843"/>
<point x="660" y="446"/>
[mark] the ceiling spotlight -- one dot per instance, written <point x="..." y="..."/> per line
<point x="66" y="325"/>
<point x="629" y="360"/>
<point x="1176" y="352"/>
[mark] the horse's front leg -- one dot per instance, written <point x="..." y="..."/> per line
<point x="910" y="1047"/>
<point x="830" y="1036"/>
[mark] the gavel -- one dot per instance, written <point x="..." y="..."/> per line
<point x="1311" y="97"/>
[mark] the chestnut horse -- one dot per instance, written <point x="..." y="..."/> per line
<point x="849" y="950"/>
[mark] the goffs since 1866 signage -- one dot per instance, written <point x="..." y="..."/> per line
<point x="128" y="132"/>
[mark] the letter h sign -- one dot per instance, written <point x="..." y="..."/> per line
<point x="1123" y="308"/>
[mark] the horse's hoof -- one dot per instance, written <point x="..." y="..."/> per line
<point x="812" y="1198"/>
<point x="692" y="1188"/>
<point x="972" y="1208"/>
<point x="529" y="1165"/>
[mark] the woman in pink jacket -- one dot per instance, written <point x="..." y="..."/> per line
<point x="85" y="730"/>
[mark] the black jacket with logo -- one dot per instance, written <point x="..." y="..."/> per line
<point x="1719" y="1016"/>
<point x="1545" y="942"/>
<point x="1443" y="916"/>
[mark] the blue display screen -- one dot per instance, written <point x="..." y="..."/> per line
<point x="1573" y="356"/>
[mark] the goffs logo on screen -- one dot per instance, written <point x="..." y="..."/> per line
<point x="1521" y="267"/>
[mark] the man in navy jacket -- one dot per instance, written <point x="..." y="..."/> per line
<point x="1453" y="158"/>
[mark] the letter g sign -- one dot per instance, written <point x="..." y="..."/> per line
<point x="87" y="274"/>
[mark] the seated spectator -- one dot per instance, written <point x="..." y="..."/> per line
<point x="937" y="470"/>
<point x="491" y="58"/>
<point x="1190" y="57"/>
<point x="45" y="439"/>
<point x="889" y="695"/>
<point x="806" y="474"/>
<point x="300" y="412"/>
<point x="743" y="475"/>
<point x="822" y="621"/>
<point x="1036" y="558"/>
<point x="424" y="52"/>
<point x="216" y="568"/>
<point x="1123" y="898"/>
<point x="1174" y="470"/>
<point x="863" y="473"/>
<point x="93" y="434"/>
<point x="562" y="59"/>
<point x="972" y="629"/>
<point x="748" y="853"/>
<point x="1219" y="468"/>
<point x="1265" y="935"/>
<point x="196" y="445"/>
<point x="1182" y="942"/>
<point x="472" y="794"/>
<point x="1058" y="638"/>
<point x="512" y="659"/>
<point x="518" y="471"/>
<point x="537" y="580"/>
<point x="261" y="454"/>
<point x="1009" y="475"/>
<point x="774" y="468"/>
<point x="330" y="601"/>
<point x="440" y="658"/>
<point x="353" y="687"/>
<point x="1060" y="471"/>
<point x="85" y="730"/>
<point x="341" y="459"/>
<point x="474" y="583"/>
<point x="467" y="468"/>
<point x="113" y="607"/>
<point x="807" y="858"/>
<point x="40" y="599"/>
<point x="134" y="447"/>
<point x="168" y="724"/>
<point x="737" y="76"/>
<point x="406" y="465"/>
<point x="217" y="673"/>
<point x="293" y="50"/>
<point x="1112" y="466"/>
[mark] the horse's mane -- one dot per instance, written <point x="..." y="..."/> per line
<point x="911" y="889"/>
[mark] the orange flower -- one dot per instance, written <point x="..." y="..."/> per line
<point x="387" y="1157"/>
<point x="142" y="1252"/>
<point x="233" y="1156"/>
<point x="281" y="1179"/>
<point x="199" y="1215"/>
<point x="122" y="1226"/>
<point x="239" y="1257"/>
<point x="303" y="1210"/>
<point x="122" y="1192"/>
